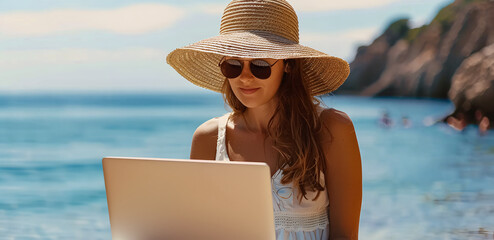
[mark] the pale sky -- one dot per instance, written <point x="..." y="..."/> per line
<point x="93" y="45"/>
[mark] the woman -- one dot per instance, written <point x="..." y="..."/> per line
<point x="270" y="82"/>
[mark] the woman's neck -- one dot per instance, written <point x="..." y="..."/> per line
<point x="257" y="119"/>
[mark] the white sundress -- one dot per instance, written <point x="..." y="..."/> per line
<point x="293" y="221"/>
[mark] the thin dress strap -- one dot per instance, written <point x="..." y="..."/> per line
<point x="221" y="154"/>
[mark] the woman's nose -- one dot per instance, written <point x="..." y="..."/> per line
<point x="246" y="73"/>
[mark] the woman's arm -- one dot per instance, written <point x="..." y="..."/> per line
<point x="343" y="174"/>
<point x="204" y="141"/>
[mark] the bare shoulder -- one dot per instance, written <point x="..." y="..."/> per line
<point x="207" y="129"/>
<point x="204" y="140"/>
<point x="336" y="116"/>
<point x="336" y="122"/>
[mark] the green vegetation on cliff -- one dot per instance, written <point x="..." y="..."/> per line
<point x="446" y="15"/>
<point x="444" y="18"/>
<point x="399" y="27"/>
<point x="414" y="33"/>
<point x="396" y="30"/>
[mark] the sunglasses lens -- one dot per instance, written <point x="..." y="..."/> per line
<point x="231" y="68"/>
<point x="260" y="68"/>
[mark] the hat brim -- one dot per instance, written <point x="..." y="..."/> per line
<point x="198" y="62"/>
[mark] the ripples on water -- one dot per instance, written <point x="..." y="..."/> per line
<point x="420" y="182"/>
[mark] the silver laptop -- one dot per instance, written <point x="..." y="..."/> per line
<point x="188" y="199"/>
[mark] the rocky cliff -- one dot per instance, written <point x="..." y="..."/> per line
<point x="472" y="91"/>
<point x="421" y="62"/>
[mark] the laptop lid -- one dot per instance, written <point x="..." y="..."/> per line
<point x="188" y="199"/>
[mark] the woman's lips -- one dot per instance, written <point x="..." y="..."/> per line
<point x="249" y="90"/>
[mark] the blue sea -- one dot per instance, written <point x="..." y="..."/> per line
<point x="420" y="180"/>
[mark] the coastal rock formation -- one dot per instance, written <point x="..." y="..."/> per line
<point x="371" y="60"/>
<point x="472" y="89"/>
<point x="421" y="62"/>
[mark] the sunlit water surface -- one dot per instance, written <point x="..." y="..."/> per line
<point x="423" y="181"/>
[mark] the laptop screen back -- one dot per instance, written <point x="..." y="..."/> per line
<point x="188" y="199"/>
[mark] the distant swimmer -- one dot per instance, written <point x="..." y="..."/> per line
<point x="482" y="121"/>
<point x="458" y="123"/>
<point x="385" y="120"/>
<point x="405" y="121"/>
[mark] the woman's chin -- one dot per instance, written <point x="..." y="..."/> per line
<point x="255" y="102"/>
<point x="250" y="104"/>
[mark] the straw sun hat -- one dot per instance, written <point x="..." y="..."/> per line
<point x="257" y="29"/>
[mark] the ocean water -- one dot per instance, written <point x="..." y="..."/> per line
<point x="420" y="181"/>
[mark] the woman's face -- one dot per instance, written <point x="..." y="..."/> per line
<point x="254" y="92"/>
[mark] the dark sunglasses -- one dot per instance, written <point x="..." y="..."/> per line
<point x="232" y="68"/>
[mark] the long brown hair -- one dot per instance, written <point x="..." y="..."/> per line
<point x="295" y="128"/>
